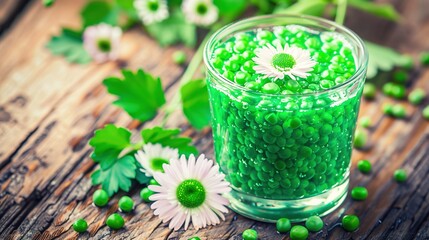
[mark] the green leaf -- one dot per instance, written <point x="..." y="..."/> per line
<point x="195" y="103"/>
<point x="383" y="58"/>
<point x="169" y="138"/>
<point x="385" y="11"/>
<point x="139" y="94"/>
<point x="173" y="30"/>
<point x="230" y="9"/>
<point x="96" y="12"/>
<point x="118" y="176"/>
<point x="70" y="45"/>
<point x="108" y="142"/>
<point x="310" y="7"/>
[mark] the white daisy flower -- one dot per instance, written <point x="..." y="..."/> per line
<point x="190" y="191"/>
<point x="151" y="11"/>
<point x="200" y="12"/>
<point x="153" y="156"/>
<point x="102" y="42"/>
<point x="278" y="62"/>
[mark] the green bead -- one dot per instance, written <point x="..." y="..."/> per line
<point x="400" y="76"/>
<point x="283" y="225"/>
<point x="250" y="234"/>
<point x="48" y="3"/>
<point x="153" y="182"/>
<point x="298" y="233"/>
<point x="424" y="58"/>
<point x="194" y="238"/>
<point x="400" y="175"/>
<point x="416" y="96"/>
<point x="365" y="122"/>
<point x="387" y="109"/>
<point x="387" y="89"/>
<point x="115" y="221"/>
<point x="80" y="225"/>
<point x="314" y="223"/>
<point x="399" y="111"/>
<point x="398" y="91"/>
<point x="241" y="77"/>
<point x="350" y="223"/>
<point x="126" y="204"/>
<point x="179" y="57"/>
<point x="369" y="91"/>
<point x="100" y="198"/>
<point x="360" y="138"/>
<point x="364" y="166"/>
<point x="359" y="193"/>
<point x="425" y="113"/>
<point x="145" y="193"/>
<point x="270" y="88"/>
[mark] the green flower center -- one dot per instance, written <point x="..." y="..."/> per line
<point x="202" y="9"/>
<point x="156" y="164"/>
<point x="104" y="45"/>
<point x="191" y="193"/>
<point x="153" y="5"/>
<point x="283" y="61"/>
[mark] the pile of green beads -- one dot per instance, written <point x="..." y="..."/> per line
<point x="283" y="146"/>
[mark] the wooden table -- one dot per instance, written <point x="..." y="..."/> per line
<point x="50" y="108"/>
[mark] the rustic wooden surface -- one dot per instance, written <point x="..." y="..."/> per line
<point x="49" y="109"/>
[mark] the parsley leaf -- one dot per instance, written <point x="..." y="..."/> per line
<point x="141" y="176"/>
<point x="139" y="94"/>
<point x="173" y="30"/>
<point x="382" y="58"/>
<point x="96" y="12"/>
<point x="70" y="45"/>
<point x="108" y="143"/>
<point x="195" y="103"/>
<point x="230" y="9"/>
<point x="118" y="176"/>
<point x="169" y="138"/>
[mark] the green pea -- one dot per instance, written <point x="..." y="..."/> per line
<point x="398" y="91"/>
<point x="115" y="221"/>
<point x="179" y="57"/>
<point x="48" y="3"/>
<point x="400" y="76"/>
<point x="365" y="122"/>
<point x="314" y="223"/>
<point x="350" y="223"/>
<point x="270" y="88"/>
<point x="425" y="112"/>
<point x="126" y="204"/>
<point x="283" y="225"/>
<point x="364" y="166"/>
<point x="400" y="175"/>
<point x="80" y="225"/>
<point x="145" y="193"/>
<point x="359" y="193"/>
<point x="387" y="109"/>
<point x="388" y="89"/>
<point x="271" y="118"/>
<point x="298" y="233"/>
<point x="360" y="138"/>
<point x="424" y="58"/>
<point x="369" y="91"/>
<point x="250" y="234"/>
<point x="241" y="77"/>
<point x="417" y="96"/>
<point x="100" y="198"/>
<point x="399" y="111"/>
<point x="194" y="238"/>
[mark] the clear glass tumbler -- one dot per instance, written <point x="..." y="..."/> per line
<point x="285" y="155"/>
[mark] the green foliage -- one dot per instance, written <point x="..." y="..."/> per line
<point x="169" y="138"/>
<point x="173" y="30"/>
<point x="139" y="94"/>
<point x="382" y="58"/>
<point x="230" y="9"/>
<point x="385" y="11"/>
<point x="310" y="7"/>
<point x="117" y="176"/>
<point x="195" y="103"/>
<point x="96" y="12"/>
<point x="69" y="45"/>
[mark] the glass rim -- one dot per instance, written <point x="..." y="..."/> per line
<point x="361" y="60"/>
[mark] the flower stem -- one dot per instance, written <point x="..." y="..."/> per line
<point x="341" y="11"/>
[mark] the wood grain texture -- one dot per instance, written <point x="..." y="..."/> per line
<point x="49" y="109"/>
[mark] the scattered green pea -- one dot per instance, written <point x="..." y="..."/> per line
<point x="424" y="58"/>
<point x="179" y="57"/>
<point x="387" y="89"/>
<point x="416" y="96"/>
<point x="365" y="122"/>
<point x="115" y="221"/>
<point x="314" y="224"/>
<point x="298" y="233"/>
<point x="408" y="62"/>
<point x="360" y="138"/>
<point x="369" y="91"/>
<point x="359" y="193"/>
<point x="350" y="223"/>
<point x="400" y="76"/>
<point x="399" y="111"/>
<point x="194" y="238"/>
<point x="48" y="3"/>
<point x="145" y="193"/>
<point x="80" y="225"/>
<point x="100" y="198"/>
<point x="126" y="204"/>
<point x="398" y="91"/>
<point x="153" y="182"/>
<point x="400" y="175"/>
<point x="364" y="166"/>
<point x="425" y="112"/>
<point x="250" y="234"/>
<point x="283" y="225"/>
<point x="387" y="109"/>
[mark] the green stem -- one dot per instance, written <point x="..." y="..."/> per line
<point x="186" y="77"/>
<point x="131" y="148"/>
<point x="341" y="11"/>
